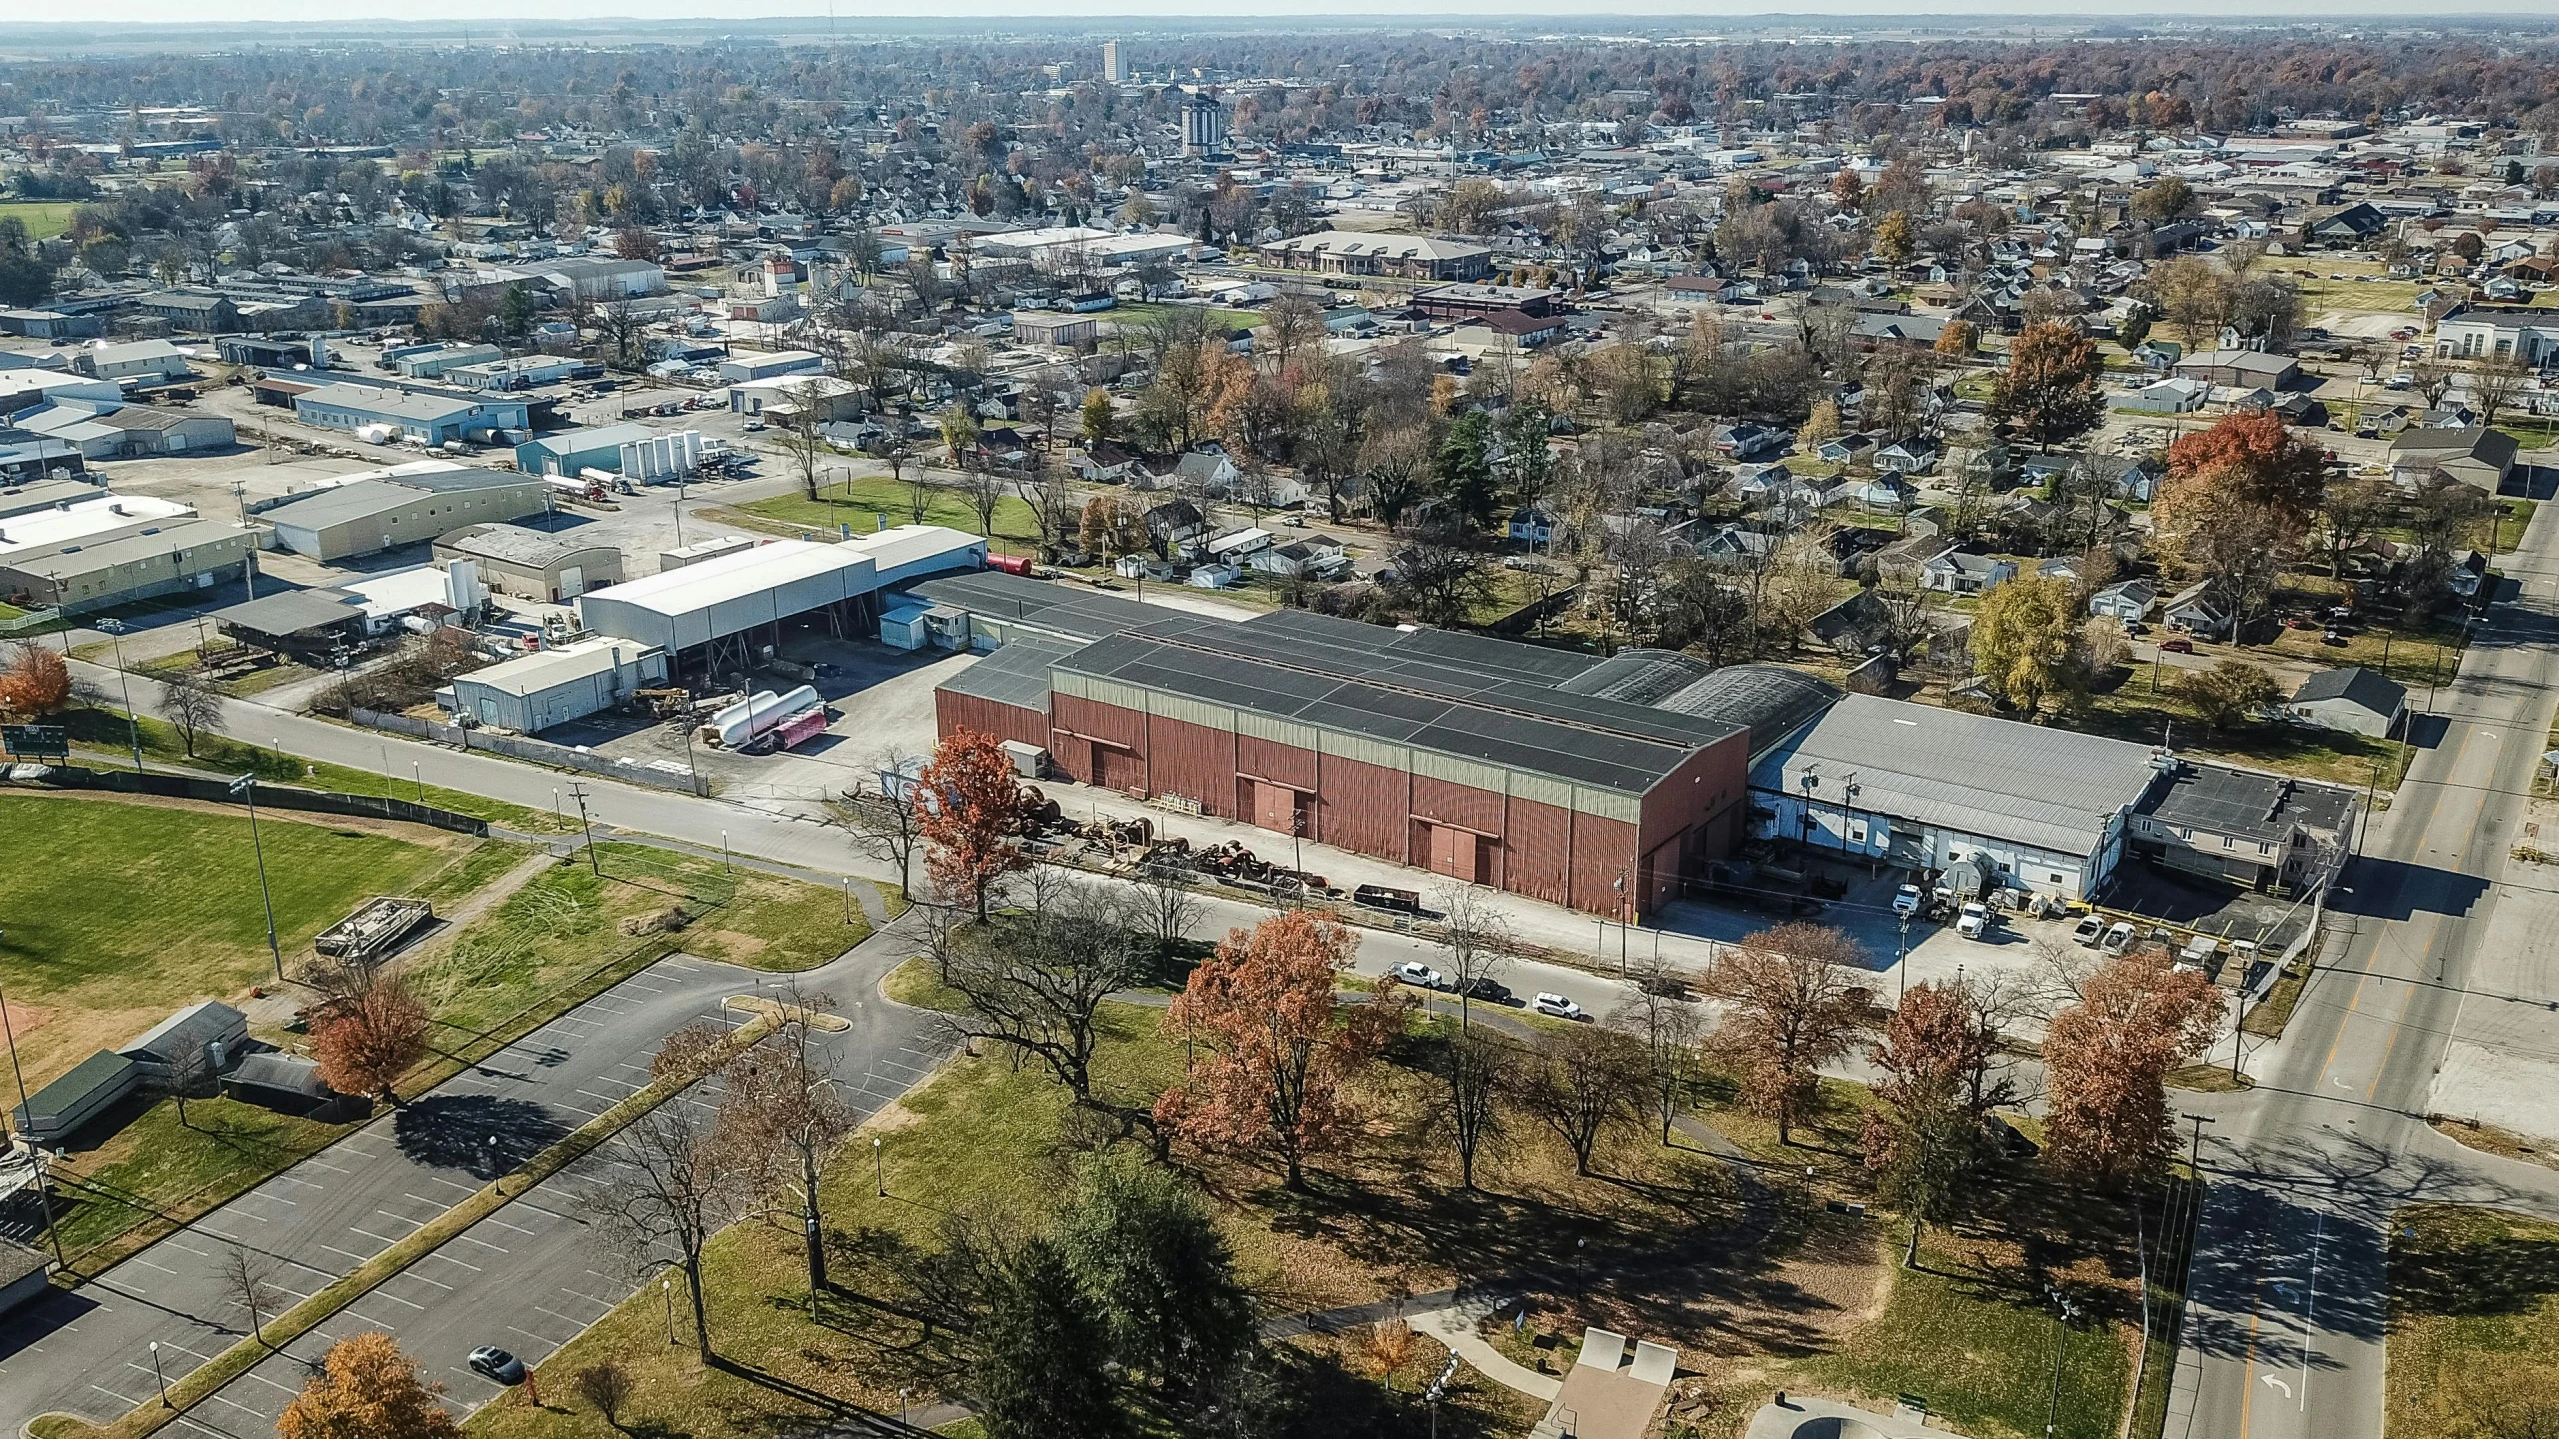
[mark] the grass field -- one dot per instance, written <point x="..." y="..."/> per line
<point x="861" y="501"/>
<point x="1131" y="316"/>
<point x="85" y="971"/>
<point x="44" y="218"/>
<point x="106" y="735"/>
<point x="562" y="935"/>
<point x="2474" y="1319"/>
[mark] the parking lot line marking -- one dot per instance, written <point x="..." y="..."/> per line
<point x="236" y="1404"/>
<point x="475" y="1239"/>
<point x="147" y="1264"/>
<point x="358" y="1258"/>
<point x="518" y="1228"/>
<point x="369" y="1319"/>
<point x="324" y="1164"/>
<point x="396" y="1299"/>
<point x="271" y="1384"/>
<point x="455" y="1183"/>
<point x="449" y="1259"/>
<point x="369" y="1234"/>
<point x="404" y="1219"/>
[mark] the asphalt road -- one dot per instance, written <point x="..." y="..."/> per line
<point x="2287" y="1320"/>
<point x="88" y="1351"/>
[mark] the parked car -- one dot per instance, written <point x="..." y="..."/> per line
<point x="1421" y="974"/>
<point x="1489" y="990"/>
<point x="1906" y="901"/>
<point x="1555" y="1005"/>
<point x="2177" y="647"/>
<point x="2089" y="930"/>
<point x="491" y="1362"/>
<point x="1974" y="919"/>
<point x="2332" y="637"/>
<point x="2119" y="937"/>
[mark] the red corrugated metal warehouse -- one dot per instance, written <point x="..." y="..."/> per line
<point x="1465" y="756"/>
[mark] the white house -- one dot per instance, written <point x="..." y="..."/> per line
<point x="1960" y="572"/>
<point x="2354" y="698"/>
<point x="2126" y="600"/>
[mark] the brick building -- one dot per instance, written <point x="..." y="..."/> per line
<point x="1482" y="760"/>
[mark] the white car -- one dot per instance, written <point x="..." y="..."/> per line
<point x="1906" y="901"/>
<point x="2089" y="930"/>
<point x="1421" y="974"/>
<point x="2118" y="938"/>
<point x="1972" y="921"/>
<point x="1556" y="1005"/>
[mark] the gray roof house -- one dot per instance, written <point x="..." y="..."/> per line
<point x="2354" y="698"/>
<point x="2125" y="600"/>
<point x="211" y="1032"/>
<point x="2474" y="456"/>
<point x="93" y="1085"/>
<point x="1961" y="572"/>
<point x="2196" y="612"/>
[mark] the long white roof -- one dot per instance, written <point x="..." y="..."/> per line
<point x="735" y="576"/>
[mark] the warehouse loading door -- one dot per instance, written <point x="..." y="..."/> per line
<point x="1274" y="807"/>
<point x="1117" y="769"/>
<point x="1457" y="853"/>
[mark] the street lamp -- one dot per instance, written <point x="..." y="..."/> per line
<point x="1901" y="961"/>
<point x="666" y="1290"/>
<point x="132" y="721"/>
<point x="879" y="1175"/>
<point x="246" y="786"/>
<point x="160" y="1374"/>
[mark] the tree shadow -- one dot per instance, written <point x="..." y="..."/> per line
<point x="484" y="1135"/>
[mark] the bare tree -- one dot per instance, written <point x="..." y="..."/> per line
<point x="1049" y="490"/>
<point x="1478" y="1068"/>
<point x="1167" y="904"/>
<point x="190" y="1076"/>
<point x="608" y="1387"/>
<point x="1036" y="982"/>
<point x="985" y="486"/>
<point x="192" y="706"/>
<point x="1656" y="1010"/>
<point x="248" y="1282"/>
<point x="1475" y="940"/>
<point x="883" y="825"/>
<point x="2494" y="383"/>
<point x="678" y="1184"/>
<point x="781" y="1113"/>
<point x="1585" y="1079"/>
<point x="799" y="436"/>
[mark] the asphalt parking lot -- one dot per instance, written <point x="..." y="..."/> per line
<point x="87" y="1352"/>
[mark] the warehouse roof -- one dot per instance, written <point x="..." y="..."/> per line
<point x="367" y="498"/>
<point x="1771" y="701"/>
<point x="1039" y="604"/>
<point x="1015" y="675"/>
<point x="1639" y="676"/>
<point x="1453" y="698"/>
<point x="546" y="669"/>
<point x="96" y="555"/>
<point x="401" y="404"/>
<point x="516" y="545"/>
<point x="601" y="437"/>
<point x="731" y="577"/>
<point x="1975" y="774"/>
<point x="291" y="612"/>
<point x="76" y="1092"/>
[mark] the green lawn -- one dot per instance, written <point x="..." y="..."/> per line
<point x="2474" y="1318"/>
<point x="2133" y="713"/>
<point x="148" y="907"/>
<point x="861" y="501"/>
<point x="1131" y="316"/>
<point x="104" y="733"/>
<point x="569" y="920"/>
<point x="2392" y="297"/>
<point x="44" y="218"/>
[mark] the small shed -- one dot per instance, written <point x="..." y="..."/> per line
<point x="212" y="1031"/>
<point x="22" y="1275"/>
<point x="2353" y="699"/>
<point x="54" y="1112"/>
<point x="288" y="1084"/>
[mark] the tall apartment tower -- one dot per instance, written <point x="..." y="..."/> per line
<point x="1111" y="72"/>
<point x="1203" y="125"/>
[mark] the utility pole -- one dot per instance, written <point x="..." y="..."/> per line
<point x="246" y="786"/>
<point x="133" y="721"/>
<point x="577" y="791"/>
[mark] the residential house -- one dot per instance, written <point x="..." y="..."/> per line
<point x="1961" y="572"/>
<point x="2356" y="699"/>
<point x="2176" y="395"/>
<point x="2128" y="601"/>
<point x="1173" y="524"/>
<point x="2245" y="369"/>
<point x="1845" y="449"/>
<point x="1103" y="463"/>
<point x="1917" y="455"/>
<point x="1532" y="525"/>
<point x="1315" y="557"/>
<point x="2198" y="612"/>
<point x="2474" y="456"/>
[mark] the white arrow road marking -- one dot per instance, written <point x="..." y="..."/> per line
<point x="2277" y="1383"/>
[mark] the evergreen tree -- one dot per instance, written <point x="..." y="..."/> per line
<point x="1042" y="1354"/>
<point x="1161" y="1275"/>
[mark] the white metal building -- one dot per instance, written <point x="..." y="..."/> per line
<point x="553" y="687"/>
<point x="1923" y="788"/>
<point x="718" y="602"/>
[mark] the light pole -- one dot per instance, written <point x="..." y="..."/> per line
<point x="2063" y="1312"/>
<point x="666" y="1291"/>
<point x="879" y="1174"/>
<point x="162" y="1375"/>
<point x="1901" y="961"/>
<point x="246" y="786"/>
<point x="577" y="791"/>
<point x="132" y="720"/>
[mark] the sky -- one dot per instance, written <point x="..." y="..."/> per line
<point x="498" y="12"/>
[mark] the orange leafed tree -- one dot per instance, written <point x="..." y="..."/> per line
<point x="367" y="1389"/>
<point x="37" y="682"/>
<point x="365" y="1040"/>
<point x="2250" y="460"/>
<point x="1796" y="1000"/>
<point x="2106" y="1064"/>
<point x="970" y="810"/>
<point x="1280" y="1047"/>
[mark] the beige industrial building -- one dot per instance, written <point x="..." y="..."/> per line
<point x="376" y="514"/>
<point x="531" y="565"/>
